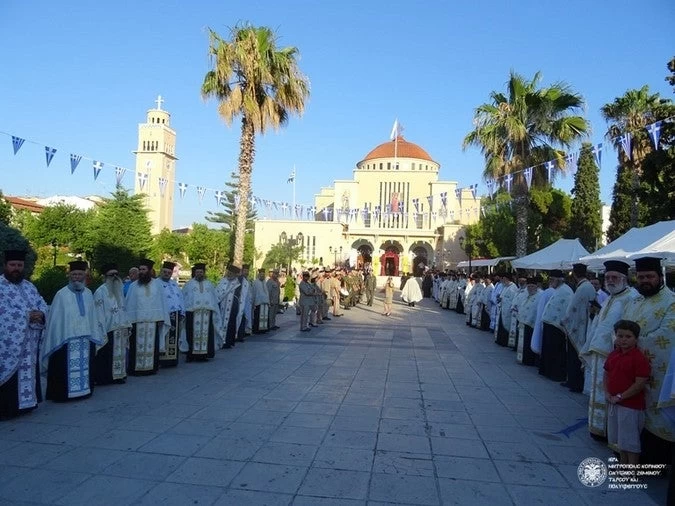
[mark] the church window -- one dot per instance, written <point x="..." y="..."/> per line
<point x="396" y="165"/>
<point x="413" y="166"/>
<point x="388" y="165"/>
<point x="380" y="165"/>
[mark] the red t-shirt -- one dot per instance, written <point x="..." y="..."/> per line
<point x="621" y="370"/>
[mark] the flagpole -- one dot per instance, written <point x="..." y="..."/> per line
<point x="294" y="177"/>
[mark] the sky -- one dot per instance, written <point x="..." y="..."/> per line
<point x="81" y="78"/>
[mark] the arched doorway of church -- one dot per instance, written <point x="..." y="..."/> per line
<point x="364" y="253"/>
<point x="390" y="259"/>
<point x="420" y="261"/>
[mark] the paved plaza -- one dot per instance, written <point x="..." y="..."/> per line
<point x="416" y="409"/>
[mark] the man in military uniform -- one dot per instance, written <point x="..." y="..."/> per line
<point x="370" y="283"/>
<point x="274" y="291"/>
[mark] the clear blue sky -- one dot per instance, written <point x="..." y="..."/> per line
<point x="80" y="75"/>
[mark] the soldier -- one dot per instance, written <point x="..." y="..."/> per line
<point x="370" y="283"/>
<point x="335" y="292"/>
<point x="306" y="301"/>
<point x="274" y="291"/>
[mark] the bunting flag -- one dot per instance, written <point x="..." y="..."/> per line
<point x="452" y="215"/>
<point x="508" y="180"/>
<point x="482" y="211"/>
<point x="119" y="174"/>
<point x="550" y="165"/>
<point x="236" y="201"/>
<point x="571" y="161"/>
<point x="654" y="131"/>
<point x="490" y="186"/>
<point x="458" y="193"/>
<point x="434" y="215"/>
<point x="430" y="200"/>
<point x="376" y="212"/>
<point x="74" y="162"/>
<point x="443" y="212"/>
<point x="364" y="214"/>
<point x="474" y="190"/>
<point x="444" y="198"/>
<point x="200" y="193"/>
<point x="17" y="142"/>
<point x="528" y="177"/>
<point x="325" y="214"/>
<point x="97" y="169"/>
<point x="625" y="143"/>
<point x="49" y="154"/>
<point x="142" y="178"/>
<point x="416" y="203"/>
<point x="597" y="153"/>
<point x="284" y="208"/>
<point x="182" y="188"/>
<point x="162" y="186"/>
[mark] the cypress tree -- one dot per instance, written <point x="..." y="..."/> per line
<point x="622" y="200"/>
<point x="586" y="220"/>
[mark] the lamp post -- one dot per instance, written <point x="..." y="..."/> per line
<point x="335" y="250"/>
<point x="55" y="246"/>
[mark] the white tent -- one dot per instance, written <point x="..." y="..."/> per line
<point x="657" y="240"/>
<point x="559" y="255"/>
<point x="483" y="262"/>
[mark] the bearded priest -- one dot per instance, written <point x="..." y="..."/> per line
<point x="176" y="307"/>
<point x="71" y="337"/>
<point x="202" y="317"/>
<point x="111" y="358"/>
<point x="150" y="324"/>
<point x="22" y="317"/>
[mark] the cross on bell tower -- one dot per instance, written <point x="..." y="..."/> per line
<point x="156" y="166"/>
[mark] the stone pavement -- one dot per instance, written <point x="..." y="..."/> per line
<point x="412" y="409"/>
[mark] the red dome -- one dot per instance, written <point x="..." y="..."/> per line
<point x="404" y="149"/>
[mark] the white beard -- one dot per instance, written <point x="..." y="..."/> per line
<point x="615" y="288"/>
<point x="115" y="289"/>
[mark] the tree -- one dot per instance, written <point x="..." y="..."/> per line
<point x="523" y="128"/>
<point x="254" y="79"/>
<point x="12" y="239"/>
<point x="209" y="246"/>
<point x="120" y="231"/>
<point x="670" y="78"/>
<point x="168" y="244"/>
<point x="586" y="219"/>
<point x="282" y="254"/>
<point x="5" y="210"/>
<point x="228" y="217"/>
<point x="64" y="223"/>
<point x="548" y="217"/>
<point x="630" y="113"/>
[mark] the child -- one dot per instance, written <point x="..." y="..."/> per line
<point x="627" y="371"/>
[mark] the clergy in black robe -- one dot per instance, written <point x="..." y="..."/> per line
<point x="202" y="316"/>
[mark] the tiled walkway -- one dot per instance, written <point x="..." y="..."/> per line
<point x="412" y="409"/>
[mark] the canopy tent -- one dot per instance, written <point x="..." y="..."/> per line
<point x="657" y="240"/>
<point x="559" y="255"/>
<point x="483" y="262"/>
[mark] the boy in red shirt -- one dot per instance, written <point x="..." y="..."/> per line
<point x="627" y="371"/>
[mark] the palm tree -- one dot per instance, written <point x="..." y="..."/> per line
<point x="525" y="127"/>
<point x="631" y="113"/>
<point x="253" y="78"/>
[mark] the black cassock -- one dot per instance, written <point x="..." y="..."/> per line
<point x="58" y="374"/>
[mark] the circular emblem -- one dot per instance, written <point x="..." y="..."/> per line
<point x="592" y="472"/>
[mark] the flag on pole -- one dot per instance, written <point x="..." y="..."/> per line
<point x="396" y="130"/>
<point x="74" y="162"/>
<point x="97" y="169"/>
<point x="17" y="142"/>
<point x="49" y="154"/>
<point x="291" y="177"/>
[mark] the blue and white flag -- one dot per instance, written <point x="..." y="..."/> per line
<point x="452" y="215"/>
<point x="490" y="186"/>
<point x="162" y="186"/>
<point x="17" y="142"/>
<point x="74" y="162"/>
<point x="97" y="168"/>
<point x="284" y="207"/>
<point x="49" y="154"/>
<point x="416" y="203"/>
<point x="142" y="179"/>
<point x="325" y="214"/>
<point x="482" y="211"/>
<point x="474" y="190"/>
<point x="291" y="177"/>
<point x="200" y="193"/>
<point x="237" y="200"/>
<point x="364" y="214"/>
<point x="597" y="153"/>
<point x="430" y="200"/>
<point x="625" y="143"/>
<point x="376" y="212"/>
<point x="119" y="174"/>
<point x="550" y="165"/>
<point x="444" y="198"/>
<point x="528" y="177"/>
<point x="654" y="131"/>
<point x="458" y="193"/>
<point x="182" y="188"/>
<point x="571" y="161"/>
<point x="434" y="215"/>
<point x="508" y="179"/>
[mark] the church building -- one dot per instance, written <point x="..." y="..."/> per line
<point x="156" y="167"/>
<point x="394" y="210"/>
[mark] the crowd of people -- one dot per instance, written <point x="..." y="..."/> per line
<point x="612" y="342"/>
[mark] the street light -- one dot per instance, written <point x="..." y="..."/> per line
<point x="335" y="251"/>
<point x="55" y="246"/>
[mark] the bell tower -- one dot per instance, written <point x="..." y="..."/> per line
<point x="156" y="166"/>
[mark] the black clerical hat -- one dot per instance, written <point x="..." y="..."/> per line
<point x="233" y="269"/>
<point x="199" y="266"/>
<point x="579" y="269"/>
<point x="78" y="265"/>
<point x="12" y="255"/>
<point x="147" y="263"/>
<point x="617" y="266"/>
<point x="556" y="273"/>
<point x="648" y="264"/>
<point x="168" y="265"/>
<point x="110" y="267"/>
